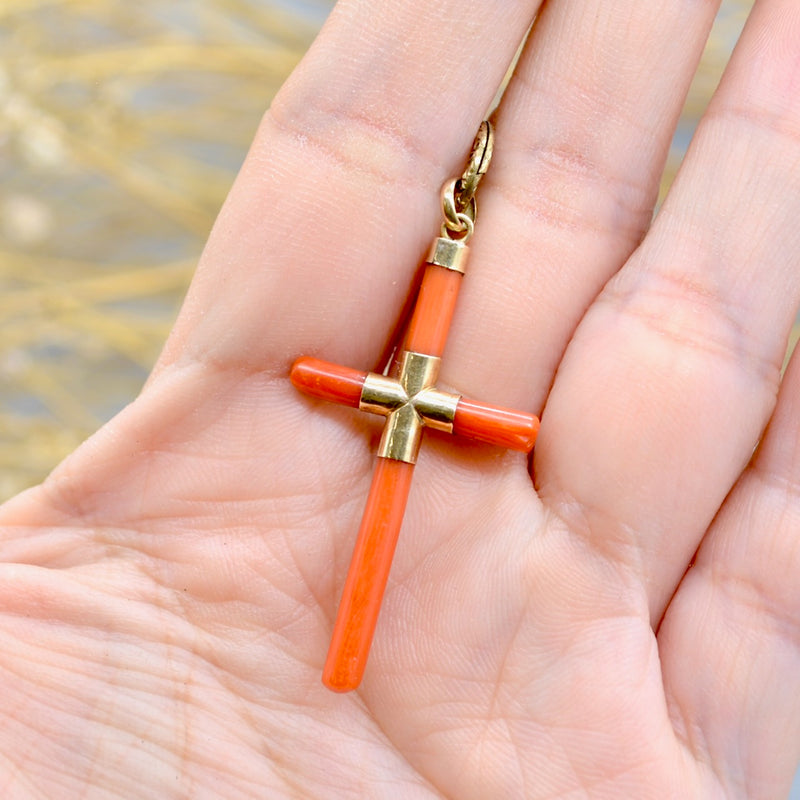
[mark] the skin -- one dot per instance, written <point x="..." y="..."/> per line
<point x="624" y="624"/>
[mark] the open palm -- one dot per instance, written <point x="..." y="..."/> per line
<point x="626" y="629"/>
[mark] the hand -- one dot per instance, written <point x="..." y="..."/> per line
<point x="628" y="628"/>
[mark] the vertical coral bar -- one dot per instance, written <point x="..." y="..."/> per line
<point x="367" y="576"/>
<point x="430" y="323"/>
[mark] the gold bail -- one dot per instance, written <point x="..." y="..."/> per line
<point x="459" y="207"/>
<point x="479" y="159"/>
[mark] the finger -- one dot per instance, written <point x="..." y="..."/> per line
<point x="583" y="133"/>
<point x="730" y="639"/>
<point x="672" y="375"/>
<point x="331" y="213"/>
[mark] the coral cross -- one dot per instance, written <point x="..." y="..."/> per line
<point x="411" y="402"/>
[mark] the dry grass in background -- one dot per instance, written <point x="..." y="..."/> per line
<point x="121" y="128"/>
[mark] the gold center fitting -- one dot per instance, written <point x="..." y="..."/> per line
<point x="410" y="402"/>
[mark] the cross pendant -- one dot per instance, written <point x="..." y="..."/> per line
<point x="410" y="401"/>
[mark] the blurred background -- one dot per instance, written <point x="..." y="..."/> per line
<point x="122" y="126"/>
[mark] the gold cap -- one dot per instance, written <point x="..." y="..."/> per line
<point x="449" y="253"/>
